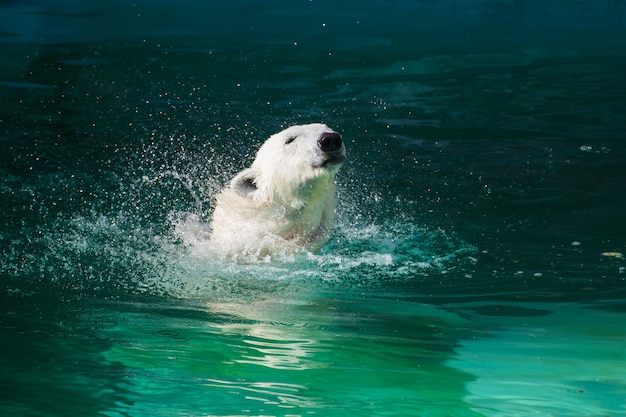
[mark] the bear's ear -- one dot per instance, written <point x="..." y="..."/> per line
<point x="244" y="183"/>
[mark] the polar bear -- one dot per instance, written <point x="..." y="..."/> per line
<point x="285" y="201"/>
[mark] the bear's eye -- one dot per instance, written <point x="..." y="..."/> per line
<point x="290" y="139"/>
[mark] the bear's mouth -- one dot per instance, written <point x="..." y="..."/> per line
<point x="332" y="160"/>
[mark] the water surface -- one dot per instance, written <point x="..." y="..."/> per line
<point x="476" y="267"/>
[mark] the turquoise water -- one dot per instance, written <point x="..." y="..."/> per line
<point x="476" y="267"/>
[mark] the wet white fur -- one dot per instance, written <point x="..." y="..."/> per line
<point x="284" y="202"/>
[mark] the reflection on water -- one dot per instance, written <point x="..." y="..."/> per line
<point x="303" y="354"/>
<point x="283" y="396"/>
<point x="276" y="352"/>
<point x="316" y="355"/>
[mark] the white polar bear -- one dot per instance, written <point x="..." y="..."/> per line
<point x="285" y="201"/>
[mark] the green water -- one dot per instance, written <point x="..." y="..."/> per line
<point x="476" y="267"/>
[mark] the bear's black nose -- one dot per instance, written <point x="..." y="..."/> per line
<point x="330" y="142"/>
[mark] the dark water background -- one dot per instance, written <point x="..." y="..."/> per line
<point x="477" y="264"/>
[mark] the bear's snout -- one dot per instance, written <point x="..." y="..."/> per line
<point x="330" y="142"/>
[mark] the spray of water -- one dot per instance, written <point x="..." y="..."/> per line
<point x="152" y="235"/>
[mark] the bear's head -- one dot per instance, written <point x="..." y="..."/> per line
<point x="293" y="166"/>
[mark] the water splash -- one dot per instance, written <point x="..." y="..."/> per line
<point x="150" y="234"/>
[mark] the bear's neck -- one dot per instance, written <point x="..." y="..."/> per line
<point x="309" y="195"/>
<point x="307" y="215"/>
